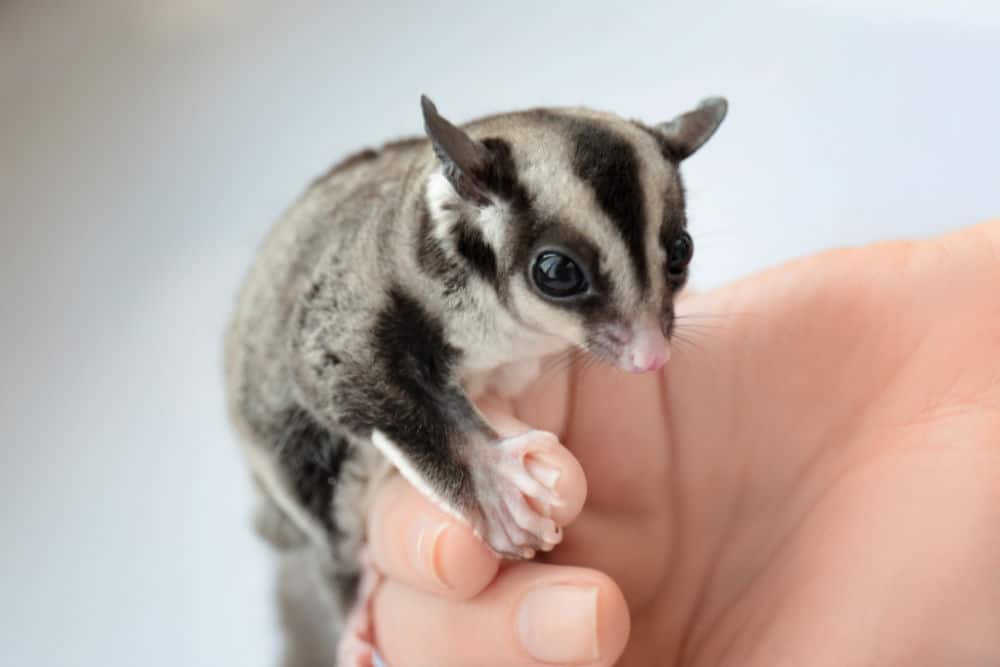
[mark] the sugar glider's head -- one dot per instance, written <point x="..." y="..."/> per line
<point x="574" y="218"/>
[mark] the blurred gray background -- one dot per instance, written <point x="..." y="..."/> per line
<point x="145" y="147"/>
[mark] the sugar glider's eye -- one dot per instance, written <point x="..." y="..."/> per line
<point x="681" y="251"/>
<point x="558" y="276"/>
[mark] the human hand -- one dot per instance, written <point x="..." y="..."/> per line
<point x="815" y="479"/>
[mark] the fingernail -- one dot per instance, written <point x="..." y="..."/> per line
<point x="425" y="555"/>
<point x="558" y="624"/>
<point x="547" y="475"/>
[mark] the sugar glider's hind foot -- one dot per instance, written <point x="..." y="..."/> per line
<point x="356" y="647"/>
<point x="515" y="494"/>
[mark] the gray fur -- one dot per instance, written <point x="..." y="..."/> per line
<point x="397" y="286"/>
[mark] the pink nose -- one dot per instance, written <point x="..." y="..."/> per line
<point x="646" y="349"/>
<point x="649" y="360"/>
<point x="654" y="363"/>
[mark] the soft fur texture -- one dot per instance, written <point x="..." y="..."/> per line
<point x="400" y="283"/>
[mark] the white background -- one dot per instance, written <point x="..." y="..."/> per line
<point x="143" y="153"/>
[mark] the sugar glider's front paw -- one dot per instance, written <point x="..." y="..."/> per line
<point x="515" y="494"/>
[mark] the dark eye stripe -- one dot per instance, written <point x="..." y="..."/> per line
<point x="473" y="247"/>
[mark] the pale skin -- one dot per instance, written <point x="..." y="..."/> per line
<point x="813" y="480"/>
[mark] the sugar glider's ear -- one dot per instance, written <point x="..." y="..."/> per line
<point x="686" y="133"/>
<point x="465" y="160"/>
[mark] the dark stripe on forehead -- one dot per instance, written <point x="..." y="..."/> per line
<point x="608" y="164"/>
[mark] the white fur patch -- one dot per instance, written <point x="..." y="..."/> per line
<point x="441" y="199"/>
<point x="492" y="221"/>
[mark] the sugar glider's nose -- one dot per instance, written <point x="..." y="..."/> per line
<point x="648" y="349"/>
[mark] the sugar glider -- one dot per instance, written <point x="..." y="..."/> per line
<point x="410" y="279"/>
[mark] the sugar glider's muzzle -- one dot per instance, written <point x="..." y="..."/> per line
<point x="647" y="349"/>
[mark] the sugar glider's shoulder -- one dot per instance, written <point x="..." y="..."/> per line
<point x="339" y="209"/>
